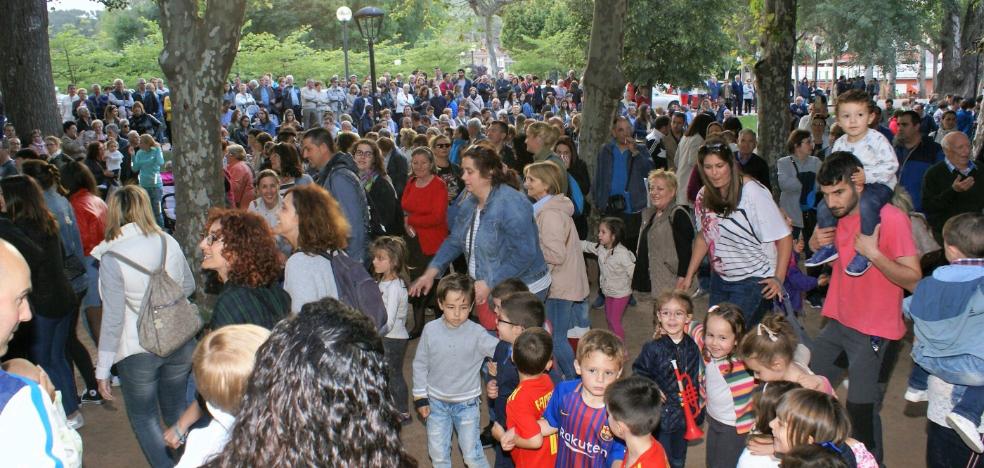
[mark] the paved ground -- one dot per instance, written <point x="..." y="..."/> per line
<point x="110" y="443"/>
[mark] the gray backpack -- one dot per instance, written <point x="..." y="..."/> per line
<point x="167" y="319"/>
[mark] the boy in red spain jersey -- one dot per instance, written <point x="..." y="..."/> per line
<point x="525" y="406"/>
<point x="633" y="414"/>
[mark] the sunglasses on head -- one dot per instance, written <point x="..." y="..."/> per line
<point x="712" y="148"/>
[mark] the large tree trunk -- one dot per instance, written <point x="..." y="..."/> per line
<point x="972" y="32"/>
<point x="199" y="49"/>
<point x="25" y="69"/>
<point x="490" y="45"/>
<point x="772" y="73"/>
<point x="604" y="82"/>
<point x="948" y="76"/>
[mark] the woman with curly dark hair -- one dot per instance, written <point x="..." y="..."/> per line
<point x="318" y="396"/>
<point x="241" y="259"/>
<point x="240" y="252"/>
<point x="312" y="221"/>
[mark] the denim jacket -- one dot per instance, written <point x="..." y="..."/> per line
<point x="639" y="167"/>
<point x="507" y="244"/>
<point x="947" y="310"/>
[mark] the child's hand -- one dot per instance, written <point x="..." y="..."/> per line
<point x="171" y="438"/>
<point x="799" y="246"/>
<point x="858" y="177"/>
<point x="761" y="446"/>
<point x="492" y="390"/>
<point x="424" y="411"/>
<point x="493" y="369"/>
<point x="823" y="280"/>
<point x="662" y="396"/>
<point x="508" y="440"/>
<point x="29" y="370"/>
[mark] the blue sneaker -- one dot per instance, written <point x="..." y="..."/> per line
<point x="858" y="265"/>
<point x="823" y="255"/>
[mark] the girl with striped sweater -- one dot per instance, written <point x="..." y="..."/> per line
<point x="727" y="386"/>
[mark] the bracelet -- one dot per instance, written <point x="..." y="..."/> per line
<point x="182" y="436"/>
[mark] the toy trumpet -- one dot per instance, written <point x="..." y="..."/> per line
<point x="688" y="400"/>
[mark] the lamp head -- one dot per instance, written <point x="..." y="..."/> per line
<point x="370" y="22"/>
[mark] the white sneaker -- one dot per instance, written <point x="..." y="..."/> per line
<point x="966" y="430"/>
<point x="76" y="421"/>
<point x="916" y="396"/>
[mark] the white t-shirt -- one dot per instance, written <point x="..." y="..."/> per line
<point x="114" y="160"/>
<point x="397" y="304"/>
<point x="207" y="442"/>
<point x="720" y="403"/>
<point x="876" y="154"/>
<point x="741" y="244"/>
<point x="748" y="460"/>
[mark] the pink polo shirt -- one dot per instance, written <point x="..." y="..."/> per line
<point x="870" y="303"/>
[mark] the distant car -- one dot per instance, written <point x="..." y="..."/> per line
<point x="660" y="99"/>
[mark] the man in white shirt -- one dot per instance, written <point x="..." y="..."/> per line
<point x="309" y="105"/>
<point x="65" y="106"/>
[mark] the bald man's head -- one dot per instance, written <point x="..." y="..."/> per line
<point x="16" y="284"/>
<point x="956" y="147"/>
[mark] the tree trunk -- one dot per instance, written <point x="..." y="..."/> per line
<point x="25" y="69"/>
<point x="772" y="73"/>
<point x="972" y="31"/>
<point x="833" y="76"/>
<point x="921" y="73"/>
<point x="199" y="49"/>
<point x="936" y="69"/>
<point x="948" y="76"/>
<point x="890" y="77"/>
<point x="604" y="82"/>
<point x="490" y="45"/>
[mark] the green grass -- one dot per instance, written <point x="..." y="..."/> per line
<point x="749" y="121"/>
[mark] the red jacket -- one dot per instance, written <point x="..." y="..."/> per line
<point x="90" y="211"/>
<point x="240" y="184"/>
<point x="427" y="212"/>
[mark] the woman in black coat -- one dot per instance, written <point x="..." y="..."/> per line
<point x="385" y="215"/>
<point x="30" y="227"/>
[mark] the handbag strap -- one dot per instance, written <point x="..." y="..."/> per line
<point x="163" y="252"/>
<point x="129" y="262"/>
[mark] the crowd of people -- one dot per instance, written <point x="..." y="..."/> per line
<point x="357" y="209"/>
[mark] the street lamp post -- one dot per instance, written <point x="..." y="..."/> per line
<point x="817" y="42"/>
<point x="370" y="23"/>
<point x="344" y="14"/>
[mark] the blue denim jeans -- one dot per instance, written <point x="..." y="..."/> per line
<point x="746" y="294"/>
<point x="873" y="198"/>
<point x="155" y="388"/>
<point x="462" y="417"/>
<point x="562" y="316"/>
<point x="965" y="371"/>
<point x="48" y="339"/>
<point x="156" y="194"/>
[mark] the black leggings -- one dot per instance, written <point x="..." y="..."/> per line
<point x="78" y="355"/>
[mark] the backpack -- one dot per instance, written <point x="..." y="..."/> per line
<point x="575" y="194"/>
<point x="167" y="320"/>
<point x="357" y="289"/>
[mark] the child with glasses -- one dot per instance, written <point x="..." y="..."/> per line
<point x="671" y="343"/>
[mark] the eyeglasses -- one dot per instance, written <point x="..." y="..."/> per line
<point x="212" y="238"/>
<point x="671" y="313"/>
<point x="363" y="154"/>
<point x="442" y="145"/>
<point x="499" y="319"/>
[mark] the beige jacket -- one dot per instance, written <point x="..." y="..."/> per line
<point x="562" y="250"/>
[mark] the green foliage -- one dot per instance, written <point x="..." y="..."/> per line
<point x="125" y="25"/>
<point x="680" y="42"/>
<point x="540" y="56"/>
<point x="523" y="20"/>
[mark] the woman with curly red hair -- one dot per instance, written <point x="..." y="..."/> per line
<point x="241" y="257"/>
<point x="240" y="252"/>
